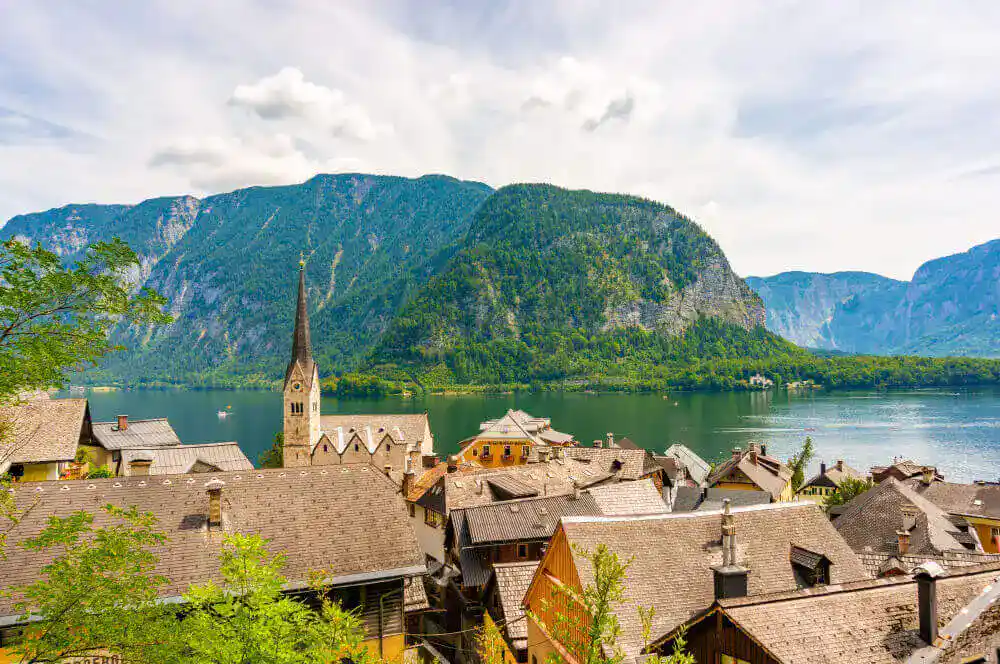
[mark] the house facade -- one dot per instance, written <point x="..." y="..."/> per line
<point x="45" y="435"/>
<point x="826" y="482"/>
<point x="753" y="470"/>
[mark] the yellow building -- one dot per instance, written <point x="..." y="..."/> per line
<point x="45" y="435"/>
<point x="753" y="470"/>
<point x="977" y="504"/>
<point x="828" y="480"/>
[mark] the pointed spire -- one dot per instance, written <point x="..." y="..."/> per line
<point x="301" y="345"/>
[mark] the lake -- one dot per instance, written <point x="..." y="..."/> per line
<point x="957" y="430"/>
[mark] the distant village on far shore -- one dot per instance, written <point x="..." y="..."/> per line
<point x="741" y="560"/>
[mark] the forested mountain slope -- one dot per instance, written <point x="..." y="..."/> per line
<point x="228" y="265"/>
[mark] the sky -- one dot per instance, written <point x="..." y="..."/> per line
<point x="824" y="135"/>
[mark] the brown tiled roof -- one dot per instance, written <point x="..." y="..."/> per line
<point x="179" y="459"/>
<point x="639" y="497"/>
<point x="769" y="473"/>
<point x="519" y="520"/>
<point x="550" y="478"/>
<point x="138" y="433"/>
<point x="966" y="499"/>
<point x="673" y="555"/>
<point x="878" y="563"/>
<point x="870" y="522"/>
<point x="348" y="521"/>
<point x="407" y="429"/>
<point x="44" y="430"/>
<point x="834" y="476"/>
<point x="512" y="581"/>
<point x="624" y="464"/>
<point x="424" y="482"/>
<point x="873" y="622"/>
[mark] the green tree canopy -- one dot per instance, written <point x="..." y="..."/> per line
<point x="849" y="489"/>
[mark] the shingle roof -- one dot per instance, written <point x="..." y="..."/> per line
<point x="550" y="478"/>
<point x="870" y="522"/>
<point x="44" y="430"/>
<point x="138" y="433"/>
<point x="178" y="459"/>
<point x="638" y="497"/>
<point x="405" y="429"/>
<point x="873" y="622"/>
<point x="625" y="464"/>
<point x="697" y="467"/>
<point x="415" y="595"/>
<point x="672" y="556"/>
<point x="967" y="499"/>
<point x="512" y="581"/>
<point x="878" y="563"/>
<point x="766" y="472"/>
<point x="367" y="534"/>
<point x="519" y="520"/>
<point x="834" y="475"/>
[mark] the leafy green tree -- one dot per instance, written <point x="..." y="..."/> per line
<point x="248" y="620"/>
<point x="678" y="655"/>
<point x="98" y="595"/>
<point x="849" y="489"/>
<point x="800" y="461"/>
<point x="274" y="456"/>
<point x="55" y="317"/>
<point x="99" y="472"/>
<point x="490" y="645"/>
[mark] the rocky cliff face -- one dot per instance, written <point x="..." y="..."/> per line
<point x="950" y="307"/>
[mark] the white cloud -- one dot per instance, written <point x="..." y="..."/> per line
<point x="798" y="135"/>
<point x="288" y="95"/>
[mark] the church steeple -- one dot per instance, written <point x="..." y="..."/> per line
<point x="301" y="392"/>
<point x="301" y="344"/>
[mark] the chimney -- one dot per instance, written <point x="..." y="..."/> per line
<point x="737" y="453"/>
<point x="926" y="576"/>
<point x="123" y="422"/>
<point x="480" y="486"/>
<point x="414" y="460"/>
<point x="214" y="488"/>
<point x="139" y="466"/>
<point x="576" y="490"/>
<point x="610" y="438"/>
<point x="544" y="454"/>
<point x="928" y="476"/>
<point x="752" y="455"/>
<point x="730" y="578"/>
<point x="409" y="478"/>
<point x="598" y="443"/>
<point x="388" y="469"/>
<point x="763" y="449"/>
<point x="903" y="541"/>
<point x="822" y="467"/>
<point x="452" y="463"/>
<point x="840" y="465"/>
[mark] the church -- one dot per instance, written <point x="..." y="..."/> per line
<point x="395" y="443"/>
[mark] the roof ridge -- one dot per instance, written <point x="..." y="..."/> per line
<point x="686" y="515"/>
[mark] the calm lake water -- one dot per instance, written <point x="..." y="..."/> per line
<point x="957" y="430"/>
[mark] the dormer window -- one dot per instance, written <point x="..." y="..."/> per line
<point x="296" y="386"/>
<point x="810" y="569"/>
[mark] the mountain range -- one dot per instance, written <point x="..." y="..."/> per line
<point x="417" y="275"/>
<point x="951" y="306"/>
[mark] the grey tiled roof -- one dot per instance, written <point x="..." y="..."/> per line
<point x="639" y="497"/>
<point x="870" y="522"/>
<point x="834" y="476"/>
<point x="874" y="622"/>
<point x="697" y="467"/>
<point x="177" y="459"/>
<point x="44" y="430"/>
<point x="405" y="429"/>
<point x="624" y="464"/>
<point x="672" y="557"/>
<point x="694" y="498"/>
<point x="878" y="563"/>
<point x="512" y="581"/>
<point x="967" y="499"/>
<point x="138" y="433"/>
<point x="520" y="520"/>
<point x="348" y="521"/>
<point x="415" y="595"/>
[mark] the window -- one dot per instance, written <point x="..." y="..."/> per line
<point x="11" y="636"/>
<point x="296" y="407"/>
<point x="315" y="406"/>
<point x="356" y="448"/>
<point x="430" y="518"/>
<point x="486" y="450"/>
<point x="324" y="447"/>
<point x="522" y="550"/>
<point x="534" y="660"/>
<point x="413" y="509"/>
<point x="729" y="659"/>
<point x="506" y="451"/>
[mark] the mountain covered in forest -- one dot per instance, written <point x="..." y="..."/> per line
<point x="951" y="306"/>
<point x="228" y="265"/>
<point x="551" y="284"/>
<point x="417" y="275"/>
